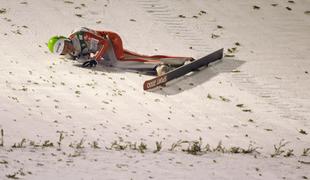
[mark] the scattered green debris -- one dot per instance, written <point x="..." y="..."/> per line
<point x="176" y="145"/>
<point x="17" y="32"/>
<point x="240" y="105"/>
<point x="95" y="145"/>
<point x="224" y="99"/>
<point x="214" y="36"/>
<point x="80" y="144"/>
<point x="303" y="162"/>
<point x="251" y="120"/>
<point x="79" y="15"/>
<point x="256" y="7"/>
<point x="237" y="44"/>
<point x="158" y="147"/>
<point x="194" y="147"/>
<point x="119" y="146"/>
<point x="246" y="110"/>
<point x="68" y="2"/>
<point x="1" y="138"/>
<point x="289" y="153"/>
<point x="232" y="50"/>
<point x="47" y="143"/>
<point x="219" y="148"/>
<point x="20" y="144"/>
<point x="306" y="152"/>
<point x="4" y="162"/>
<point x="301" y="131"/>
<point x="278" y="149"/>
<point x="202" y="12"/>
<point x="34" y="144"/>
<point x="2" y="11"/>
<point x="12" y="176"/>
<point x="235" y="71"/>
<point x="288" y="8"/>
<point x="61" y="137"/>
<point x="142" y="147"/>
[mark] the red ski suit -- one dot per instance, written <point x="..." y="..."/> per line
<point x="104" y="39"/>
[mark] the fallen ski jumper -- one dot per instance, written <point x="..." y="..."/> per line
<point x="91" y="47"/>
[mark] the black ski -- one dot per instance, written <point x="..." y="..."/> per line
<point x="181" y="71"/>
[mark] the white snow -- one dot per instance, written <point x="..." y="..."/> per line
<point x="43" y="96"/>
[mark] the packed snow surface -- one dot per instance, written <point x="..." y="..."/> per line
<point x="244" y="117"/>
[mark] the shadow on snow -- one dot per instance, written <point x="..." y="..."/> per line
<point x="186" y="82"/>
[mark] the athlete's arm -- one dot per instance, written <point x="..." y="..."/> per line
<point x="101" y="41"/>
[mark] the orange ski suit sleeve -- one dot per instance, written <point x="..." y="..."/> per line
<point x="116" y="42"/>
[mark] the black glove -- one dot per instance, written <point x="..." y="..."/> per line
<point x="90" y="63"/>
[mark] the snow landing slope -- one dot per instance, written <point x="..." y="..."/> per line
<point x="83" y="123"/>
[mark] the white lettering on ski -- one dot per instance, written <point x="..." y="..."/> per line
<point x="156" y="82"/>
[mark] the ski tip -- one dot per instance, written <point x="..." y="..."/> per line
<point x="157" y="81"/>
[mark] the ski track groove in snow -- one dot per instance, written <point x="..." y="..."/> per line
<point x="288" y="109"/>
<point x="181" y="30"/>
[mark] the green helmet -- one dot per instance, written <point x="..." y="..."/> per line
<point x="55" y="40"/>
